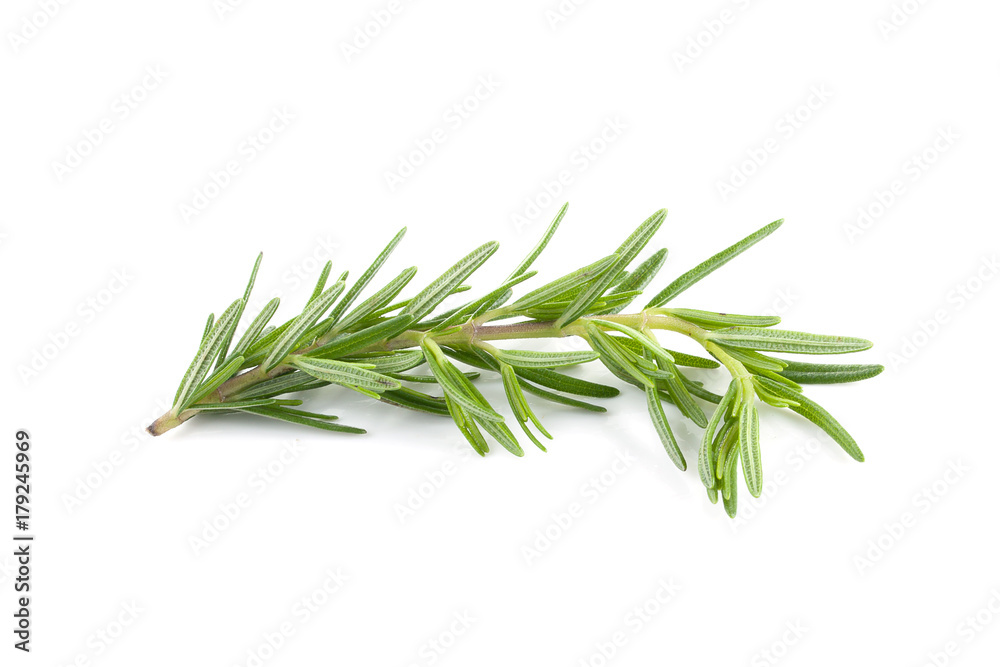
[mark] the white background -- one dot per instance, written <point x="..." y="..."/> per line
<point x="869" y="89"/>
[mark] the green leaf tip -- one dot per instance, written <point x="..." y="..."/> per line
<point x="631" y="247"/>
<point x="711" y="264"/>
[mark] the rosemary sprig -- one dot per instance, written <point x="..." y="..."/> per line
<point x="369" y="348"/>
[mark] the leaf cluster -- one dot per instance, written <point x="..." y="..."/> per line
<point x="372" y="346"/>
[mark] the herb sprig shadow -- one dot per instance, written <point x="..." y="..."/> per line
<point x="372" y="347"/>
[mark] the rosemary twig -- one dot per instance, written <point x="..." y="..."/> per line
<point x="369" y="347"/>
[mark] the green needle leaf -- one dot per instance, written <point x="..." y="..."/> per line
<point x="776" y="340"/>
<point x="446" y="374"/>
<point x="532" y="359"/>
<point x="706" y="454"/>
<point x="467" y="426"/>
<point x="502" y="434"/>
<point x="234" y="405"/>
<point x="256" y="327"/>
<point x="727" y="439"/>
<point x="215" y="380"/>
<point x="321" y="281"/>
<point x="663" y="428"/>
<point x="626" y="253"/>
<point x="267" y="339"/>
<point x="805" y="373"/>
<point x="545" y="377"/>
<point x="537" y="250"/>
<point x="393" y="363"/>
<point x="370" y="307"/>
<point x="561" y="286"/>
<point x="754" y="360"/>
<point x="568" y="384"/>
<point x="283" y="384"/>
<point x="698" y="391"/>
<point x="710" y="265"/>
<point x="681" y="395"/>
<point x="435" y="293"/>
<point x="639" y="279"/>
<point x="224" y="350"/>
<point x="817" y="415"/>
<point x="425" y="379"/>
<point x="210" y="346"/>
<point x="519" y="404"/>
<point x="647" y="342"/>
<point x="769" y="397"/>
<point x="348" y="375"/>
<point x="350" y="343"/>
<point x="690" y="360"/>
<point x="558" y="398"/>
<point x="554" y="309"/>
<point x="680" y="358"/>
<point x="515" y="397"/>
<point x="208" y="326"/>
<point x="366" y="277"/>
<point x="750" y="448"/>
<point x="474" y="306"/>
<point x="615" y="357"/>
<point x="780" y="378"/>
<point x="310" y="415"/>
<point x="711" y="320"/>
<point x="729" y="483"/>
<point x="291" y="416"/>
<point x="312" y="312"/>
<point x="415" y="400"/>
<point x="313" y="333"/>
